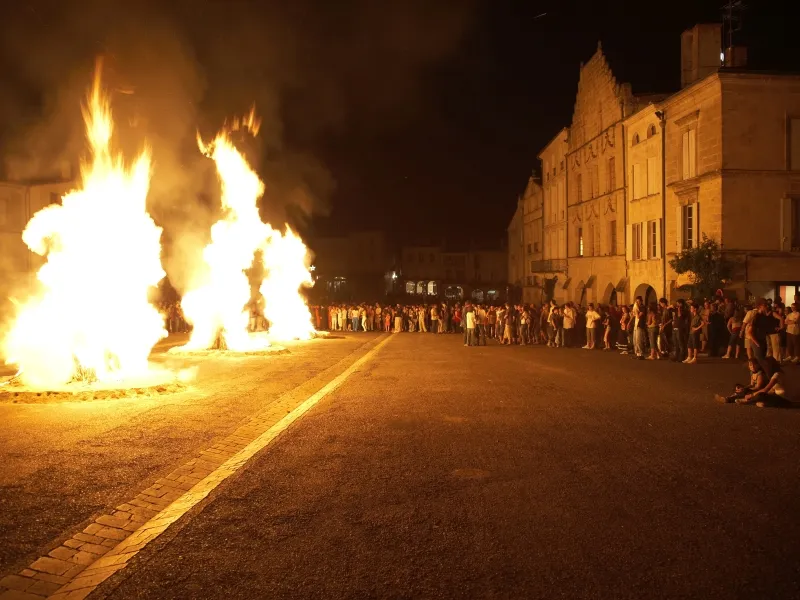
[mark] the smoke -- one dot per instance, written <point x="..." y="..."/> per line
<point x="314" y="70"/>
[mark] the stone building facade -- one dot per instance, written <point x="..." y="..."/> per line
<point x="647" y="177"/>
<point x="595" y="165"/>
<point x="550" y="272"/>
<point x="733" y="174"/>
<point x="532" y="236"/>
<point x="644" y="251"/>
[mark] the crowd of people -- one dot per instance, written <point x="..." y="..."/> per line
<point x="680" y="331"/>
<point x="766" y="332"/>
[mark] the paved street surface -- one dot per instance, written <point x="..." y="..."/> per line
<point x="501" y="472"/>
<point x="64" y="463"/>
<point x="433" y="471"/>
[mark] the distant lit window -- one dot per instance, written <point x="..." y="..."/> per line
<point x="411" y="287"/>
<point x="580" y="241"/>
<point x="433" y="288"/>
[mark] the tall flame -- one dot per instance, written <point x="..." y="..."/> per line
<point x="92" y="317"/>
<point x="286" y="260"/>
<point x="216" y="308"/>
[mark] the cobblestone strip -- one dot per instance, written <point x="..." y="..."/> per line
<point x="75" y="568"/>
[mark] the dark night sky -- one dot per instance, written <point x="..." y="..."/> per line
<point x="506" y="93"/>
<point x="423" y="118"/>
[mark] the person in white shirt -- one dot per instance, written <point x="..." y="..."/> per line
<point x="569" y="324"/>
<point x="470" y="321"/>
<point x="792" y="321"/>
<point x="748" y="320"/>
<point x="592" y="319"/>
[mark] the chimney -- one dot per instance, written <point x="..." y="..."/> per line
<point x="700" y="52"/>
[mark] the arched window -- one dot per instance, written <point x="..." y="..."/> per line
<point x="422" y="287"/>
<point x="411" y="287"/>
<point x="651" y="131"/>
<point x="433" y="288"/>
<point x="635" y="139"/>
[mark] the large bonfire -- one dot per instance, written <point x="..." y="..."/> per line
<point x="91" y="319"/>
<point x="217" y="308"/>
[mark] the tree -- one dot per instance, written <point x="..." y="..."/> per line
<point x="707" y="267"/>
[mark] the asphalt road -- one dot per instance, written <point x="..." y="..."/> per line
<point x="439" y="471"/>
<point x="64" y="463"/>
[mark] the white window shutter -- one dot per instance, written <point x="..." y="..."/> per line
<point x="629" y="243"/>
<point x="637" y="181"/>
<point x="679" y="228"/>
<point x="786" y="224"/>
<point x="698" y="237"/>
<point x="659" y="225"/>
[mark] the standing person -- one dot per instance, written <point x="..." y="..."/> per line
<point x="457" y="318"/>
<point x="569" y="325"/>
<point x="470" y="322"/>
<point x="695" y="331"/>
<point x="792" y="321"/>
<point x="639" y="327"/>
<point x="664" y="328"/>
<point x="747" y="323"/>
<point x="435" y="318"/>
<point x="501" y="322"/>
<point x="680" y="330"/>
<point x="734" y="325"/>
<point x="398" y="320"/>
<point x="776" y="341"/>
<point x="592" y="320"/>
<point x="524" y="326"/>
<point x="558" y="326"/>
<point x="705" y="313"/>
<point x="491" y="315"/>
<point x="480" y="325"/>
<point x="762" y="326"/>
<point x="622" y="335"/>
<point x="422" y="313"/>
<point x="445" y="320"/>
<point x="652" y="332"/>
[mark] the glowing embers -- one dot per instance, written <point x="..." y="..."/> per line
<point x="91" y="319"/>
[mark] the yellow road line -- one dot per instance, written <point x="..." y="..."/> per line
<point x="118" y="556"/>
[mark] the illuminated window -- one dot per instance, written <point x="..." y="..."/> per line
<point x="580" y="241"/>
<point x="411" y="287"/>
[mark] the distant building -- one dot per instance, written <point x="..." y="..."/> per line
<point x="525" y="244"/>
<point x="549" y="273"/>
<point x="646" y="177"/>
<point x="437" y="271"/>
<point x="358" y="266"/>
